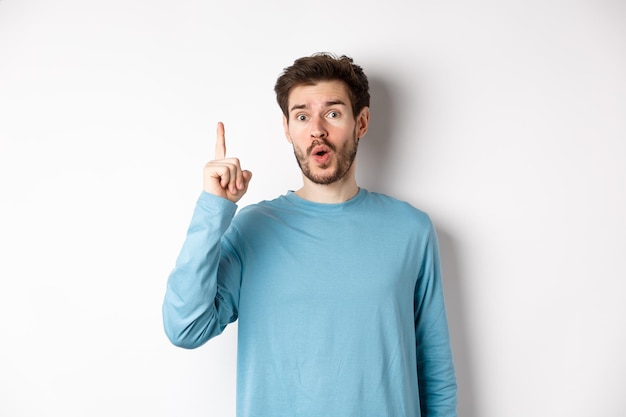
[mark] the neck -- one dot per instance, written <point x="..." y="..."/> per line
<point x="337" y="192"/>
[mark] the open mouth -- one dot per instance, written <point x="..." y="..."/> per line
<point x="321" y="155"/>
<point x="320" y="150"/>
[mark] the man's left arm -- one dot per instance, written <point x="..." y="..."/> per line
<point x="435" y="367"/>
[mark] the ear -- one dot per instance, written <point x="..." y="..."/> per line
<point x="286" y="129"/>
<point x="362" y="122"/>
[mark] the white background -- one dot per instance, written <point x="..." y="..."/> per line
<point x="505" y="121"/>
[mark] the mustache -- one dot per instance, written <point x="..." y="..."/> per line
<point x="318" y="142"/>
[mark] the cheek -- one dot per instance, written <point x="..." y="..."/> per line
<point x="296" y="132"/>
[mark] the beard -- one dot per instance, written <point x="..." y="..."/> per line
<point x="343" y="161"/>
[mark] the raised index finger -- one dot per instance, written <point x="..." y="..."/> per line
<point x="220" y="143"/>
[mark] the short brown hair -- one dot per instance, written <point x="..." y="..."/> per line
<point x="324" y="67"/>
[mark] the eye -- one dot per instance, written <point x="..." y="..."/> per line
<point x="333" y="114"/>
<point x="301" y="117"/>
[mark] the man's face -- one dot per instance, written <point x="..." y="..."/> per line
<point x="323" y="130"/>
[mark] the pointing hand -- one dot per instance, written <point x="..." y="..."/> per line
<point x="223" y="176"/>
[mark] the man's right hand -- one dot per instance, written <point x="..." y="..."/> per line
<point x="223" y="176"/>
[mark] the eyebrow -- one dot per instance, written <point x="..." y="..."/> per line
<point x="327" y="104"/>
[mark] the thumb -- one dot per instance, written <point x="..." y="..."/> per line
<point x="247" y="176"/>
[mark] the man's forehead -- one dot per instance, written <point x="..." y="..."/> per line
<point x="323" y="92"/>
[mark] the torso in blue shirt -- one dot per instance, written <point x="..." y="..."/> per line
<point x="340" y="306"/>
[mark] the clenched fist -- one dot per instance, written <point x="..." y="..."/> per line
<point x="223" y="176"/>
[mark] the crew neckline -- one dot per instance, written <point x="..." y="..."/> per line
<point x="296" y="200"/>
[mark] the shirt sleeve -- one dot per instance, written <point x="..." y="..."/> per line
<point x="435" y="368"/>
<point x="202" y="290"/>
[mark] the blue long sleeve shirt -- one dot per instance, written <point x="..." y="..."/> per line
<point x="340" y="306"/>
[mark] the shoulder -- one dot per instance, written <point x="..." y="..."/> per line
<point x="265" y="206"/>
<point x="257" y="212"/>
<point x="391" y="206"/>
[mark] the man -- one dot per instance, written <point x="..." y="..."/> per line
<point x="337" y="290"/>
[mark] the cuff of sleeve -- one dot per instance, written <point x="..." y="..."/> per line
<point x="213" y="203"/>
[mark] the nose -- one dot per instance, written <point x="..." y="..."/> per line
<point x="317" y="128"/>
